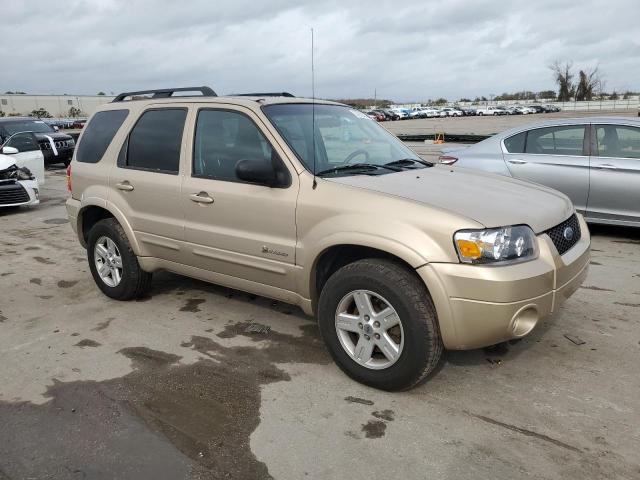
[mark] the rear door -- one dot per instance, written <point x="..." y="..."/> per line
<point x="553" y="156"/>
<point x="615" y="174"/>
<point x="145" y="183"/>
<point x="232" y="227"/>
<point x="29" y="154"/>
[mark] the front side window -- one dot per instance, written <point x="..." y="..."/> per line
<point x="618" y="141"/>
<point x="155" y="141"/>
<point x="564" y="140"/>
<point x="98" y="135"/>
<point x="342" y="137"/>
<point x="24" y="142"/>
<point x="222" y="139"/>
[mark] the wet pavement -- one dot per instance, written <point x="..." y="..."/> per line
<point x="197" y="381"/>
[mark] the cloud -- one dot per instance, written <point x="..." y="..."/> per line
<point x="410" y="50"/>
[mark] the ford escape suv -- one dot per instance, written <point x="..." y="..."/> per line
<point x="314" y="204"/>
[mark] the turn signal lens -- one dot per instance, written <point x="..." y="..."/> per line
<point x="469" y="249"/>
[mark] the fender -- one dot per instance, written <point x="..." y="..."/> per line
<point x="378" y="242"/>
<point x="117" y="214"/>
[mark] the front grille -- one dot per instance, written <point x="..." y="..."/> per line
<point x="46" y="145"/>
<point x="15" y="193"/>
<point x="559" y="234"/>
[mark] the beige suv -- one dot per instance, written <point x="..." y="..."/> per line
<point x="397" y="258"/>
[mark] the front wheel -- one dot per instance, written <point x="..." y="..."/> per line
<point x="113" y="263"/>
<point x="379" y="324"/>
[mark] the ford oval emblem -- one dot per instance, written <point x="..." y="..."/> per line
<point x="568" y="234"/>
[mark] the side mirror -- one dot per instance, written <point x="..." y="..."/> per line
<point x="10" y="150"/>
<point x="257" y="171"/>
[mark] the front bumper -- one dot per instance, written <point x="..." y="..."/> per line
<point x="483" y="305"/>
<point x="11" y="195"/>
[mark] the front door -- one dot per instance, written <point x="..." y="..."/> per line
<point x="552" y="156"/>
<point x="232" y="227"/>
<point x="145" y="183"/>
<point x="615" y="174"/>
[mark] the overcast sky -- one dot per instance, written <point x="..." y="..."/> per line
<point x="406" y="50"/>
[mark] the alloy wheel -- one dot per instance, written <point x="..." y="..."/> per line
<point x="369" y="329"/>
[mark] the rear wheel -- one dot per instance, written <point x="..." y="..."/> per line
<point x="113" y="263"/>
<point x="379" y="324"/>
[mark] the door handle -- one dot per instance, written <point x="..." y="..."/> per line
<point x="517" y="161"/>
<point x="202" y="197"/>
<point x="606" y="166"/>
<point x="126" y="186"/>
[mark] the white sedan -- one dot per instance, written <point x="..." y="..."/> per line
<point x="21" y="170"/>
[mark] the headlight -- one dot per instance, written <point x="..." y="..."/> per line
<point x="496" y="245"/>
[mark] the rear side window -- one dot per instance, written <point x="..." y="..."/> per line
<point x="98" y="135"/>
<point x="154" y="143"/>
<point x="565" y="140"/>
<point x="618" y="141"/>
<point x="515" y="143"/>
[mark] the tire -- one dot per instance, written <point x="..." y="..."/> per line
<point x="480" y="114"/>
<point x="134" y="282"/>
<point x="420" y="347"/>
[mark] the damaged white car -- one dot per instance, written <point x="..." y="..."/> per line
<point x="21" y="171"/>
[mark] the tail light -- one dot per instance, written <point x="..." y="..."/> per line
<point x="447" y="159"/>
<point x="69" y="179"/>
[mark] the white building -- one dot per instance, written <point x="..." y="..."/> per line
<point x="57" y="105"/>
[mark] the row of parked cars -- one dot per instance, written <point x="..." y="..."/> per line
<point x="67" y="123"/>
<point x="382" y="115"/>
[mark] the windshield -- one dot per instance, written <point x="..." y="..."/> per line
<point x="37" y="126"/>
<point x="343" y="136"/>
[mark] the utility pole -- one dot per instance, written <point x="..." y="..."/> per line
<point x="375" y="98"/>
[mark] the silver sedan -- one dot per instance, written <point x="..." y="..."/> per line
<point x="594" y="161"/>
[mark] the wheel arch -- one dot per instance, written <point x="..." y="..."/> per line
<point x="336" y="256"/>
<point x="93" y="212"/>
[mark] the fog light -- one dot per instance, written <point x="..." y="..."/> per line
<point x="36" y="193"/>
<point x="524" y="320"/>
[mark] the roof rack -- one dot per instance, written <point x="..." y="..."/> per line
<point x="165" y="93"/>
<point x="265" y="94"/>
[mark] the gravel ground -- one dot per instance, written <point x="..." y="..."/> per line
<point x="199" y="381"/>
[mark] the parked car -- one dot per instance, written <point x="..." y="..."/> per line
<point x="78" y="123"/>
<point x="523" y="110"/>
<point x="395" y="256"/>
<point x="490" y="110"/>
<point x="378" y="117"/>
<point x="417" y="112"/>
<point x="452" y="112"/>
<point x="467" y="111"/>
<point x="594" y="161"/>
<point x="402" y="114"/>
<point x="21" y="171"/>
<point x="391" y="115"/>
<point x="552" y="108"/>
<point x="56" y="147"/>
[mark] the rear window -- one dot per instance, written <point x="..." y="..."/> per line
<point x="515" y="144"/>
<point x="154" y="143"/>
<point x="98" y="135"/>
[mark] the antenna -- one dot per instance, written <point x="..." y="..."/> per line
<point x="313" y="114"/>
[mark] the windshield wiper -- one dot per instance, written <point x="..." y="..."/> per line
<point x="357" y="166"/>
<point x="407" y="162"/>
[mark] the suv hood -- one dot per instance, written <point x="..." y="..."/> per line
<point x="54" y="135"/>
<point x="491" y="200"/>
